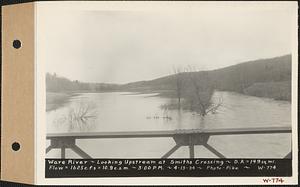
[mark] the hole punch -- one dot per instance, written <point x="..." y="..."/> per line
<point x="17" y="44"/>
<point x="16" y="146"/>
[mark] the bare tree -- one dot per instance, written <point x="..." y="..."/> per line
<point x="178" y="72"/>
<point x="201" y="92"/>
<point x="82" y="116"/>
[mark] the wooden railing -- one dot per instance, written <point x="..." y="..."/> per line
<point x="188" y="138"/>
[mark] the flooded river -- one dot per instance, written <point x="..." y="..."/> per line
<point x="120" y="111"/>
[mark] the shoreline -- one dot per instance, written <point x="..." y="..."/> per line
<point x="55" y="100"/>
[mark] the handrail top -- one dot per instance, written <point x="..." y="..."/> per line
<point x="170" y="133"/>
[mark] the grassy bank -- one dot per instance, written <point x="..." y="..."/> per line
<point x="275" y="90"/>
<point x="55" y="100"/>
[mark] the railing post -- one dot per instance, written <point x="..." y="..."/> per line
<point x="63" y="143"/>
<point x="63" y="152"/>
<point x="191" y="147"/>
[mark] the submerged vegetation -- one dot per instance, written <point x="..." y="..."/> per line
<point x="190" y="105"/>
<point x="200" y="94"/>
<point x="194" y="91"/>
<point x="78" y="117"/>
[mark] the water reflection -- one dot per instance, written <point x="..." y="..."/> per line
<point x="79" y="117"/>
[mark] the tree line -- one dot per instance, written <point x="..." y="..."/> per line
<point x="55" y="83"/>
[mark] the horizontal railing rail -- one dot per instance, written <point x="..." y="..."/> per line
<point x="185" y="137"/>
<point x="170" y="133"/>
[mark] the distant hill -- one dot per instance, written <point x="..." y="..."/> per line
<point x="241" y="76"/>
<point x="236" y="78"/>
<point x="264" y="78"/>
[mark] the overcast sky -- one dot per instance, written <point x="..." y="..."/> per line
<point x="126" y="46"/>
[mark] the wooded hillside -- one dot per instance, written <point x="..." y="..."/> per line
<point x="263" y="78"/>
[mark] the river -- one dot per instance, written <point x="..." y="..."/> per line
<point x="123" y="111"/>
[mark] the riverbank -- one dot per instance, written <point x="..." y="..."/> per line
<point x="274" y="90"/>
<point x="55" y="100"/>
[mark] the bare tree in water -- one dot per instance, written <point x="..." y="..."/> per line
<point x="179" y="83"/>
<point x="200" y="93"/>
<point x="79" y="117"/>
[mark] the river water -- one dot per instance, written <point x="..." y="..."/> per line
<point x="123" y="111"/>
